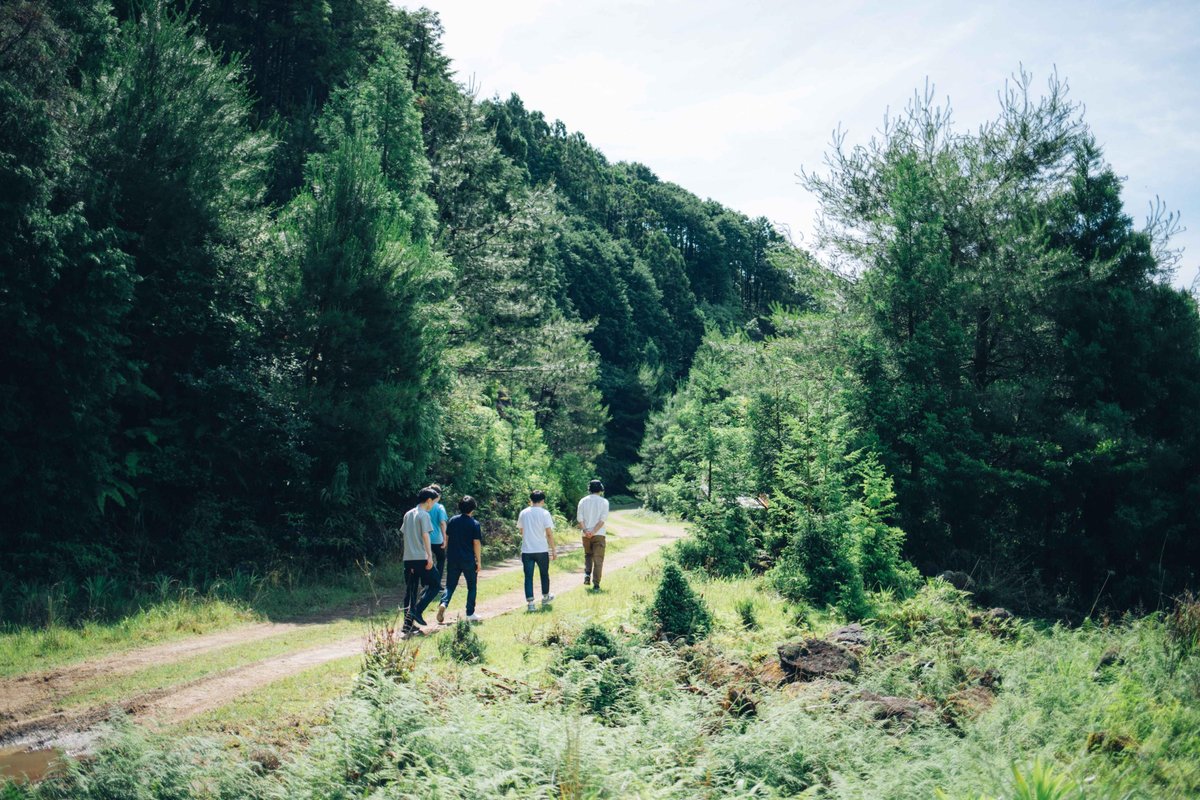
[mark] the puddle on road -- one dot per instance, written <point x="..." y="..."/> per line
<point x="33" y="765"/>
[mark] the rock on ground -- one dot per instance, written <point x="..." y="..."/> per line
<point x="815" y="658"/>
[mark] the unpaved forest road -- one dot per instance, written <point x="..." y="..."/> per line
<point x="30" y="718"/>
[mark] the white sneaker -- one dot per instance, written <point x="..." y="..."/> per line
<point x="531" y="606"/>
<point x="441" y="615"/>
<point x="546" y="600"/>
<point x="474" y="618"/>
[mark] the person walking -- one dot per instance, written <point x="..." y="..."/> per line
<point x="537" y="546"/>
<point x="418" y="561"/>
<point x="592" y="514"/>
<point x="464" y="545"/>
<point x="437" y="538"/>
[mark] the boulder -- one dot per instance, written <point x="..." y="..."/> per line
<point x="887" y="708"/>
<point x="815" y="658"/>
<point x="959" y="580"/>
<point x="853" y="635"/>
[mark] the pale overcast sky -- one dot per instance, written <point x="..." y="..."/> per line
<point x="731" y="99"/>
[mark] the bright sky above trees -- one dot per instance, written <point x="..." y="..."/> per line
<point x="730" y="99"/>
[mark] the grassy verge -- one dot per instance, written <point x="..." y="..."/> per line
<point x="1101" y="711"/>
<point x="178" y="612"/>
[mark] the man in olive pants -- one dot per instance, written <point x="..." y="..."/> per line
<point x="591" y="514"/>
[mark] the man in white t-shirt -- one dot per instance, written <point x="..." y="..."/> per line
<point x="591" y="514"/>
<point x="537" y="546"/>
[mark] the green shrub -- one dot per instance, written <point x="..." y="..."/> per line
<point x="745" y="612"/>
<point x="592" y="641"/>
<point x="463" y="644"/>
<point x="677" y="613"/>
<point x="596" y="674"/>
<point x="723" y="541"/>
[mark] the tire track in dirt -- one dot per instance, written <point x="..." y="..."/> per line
<point x="27" y="697"/>
<point x="72" y="730"/>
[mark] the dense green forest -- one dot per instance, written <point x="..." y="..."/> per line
<point x="268" y="269"/>
<point x="1003" y="379"/>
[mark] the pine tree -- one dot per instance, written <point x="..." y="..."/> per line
<point x="677" y="613"/>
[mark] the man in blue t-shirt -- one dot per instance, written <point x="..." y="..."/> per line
<point x="464" y="544"/>
<point x="437" y="538"/>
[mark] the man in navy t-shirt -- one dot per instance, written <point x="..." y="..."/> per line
<point x="464" y="542"/>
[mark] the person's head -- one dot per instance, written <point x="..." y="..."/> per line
<point x="596" y="487"/>
<point x="537" y="496"/>
<point x="437" y="490"/>
<point x="426" y="498"/>
<point x="467" y="505"/>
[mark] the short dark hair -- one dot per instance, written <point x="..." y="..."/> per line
<point x="433" y="487"/>
<point x="595" y="486"/>
<point x="467" y="504"/>
<point x="537" y="495"/>
<point x="426" y="494"/>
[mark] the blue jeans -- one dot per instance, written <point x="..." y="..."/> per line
<point x="542" y="560"/>
<point x="466" y="570"/>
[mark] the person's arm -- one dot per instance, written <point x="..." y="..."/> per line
<point x="442" y="524"/>
<point x="550" y="541"/>
<point x="428" y="552"/>
<point x="478" y="555"/>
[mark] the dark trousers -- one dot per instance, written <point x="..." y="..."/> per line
<point x="543" y="564"/>
<point x="415" y="601"/>
<point x="466" y="570"/>
<point x="439" y="560"/>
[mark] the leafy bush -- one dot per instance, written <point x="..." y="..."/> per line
<point x="745" y="612"/>
<point x="463" y="644"/>
<point x="592" y="641"/>
<point x="596" y="674"/>
<point x="723" y="541"/>
<point x="677" y="613"/>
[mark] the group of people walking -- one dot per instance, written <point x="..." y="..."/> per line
<point x="436" y="545"/>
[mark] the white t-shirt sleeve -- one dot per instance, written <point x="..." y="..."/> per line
<point x="549" y="519"/>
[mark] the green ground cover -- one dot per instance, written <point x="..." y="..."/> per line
<point x="981" y="707"/>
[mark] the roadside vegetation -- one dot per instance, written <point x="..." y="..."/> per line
<point x="943" y="698"/>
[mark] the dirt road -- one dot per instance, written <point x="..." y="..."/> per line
<point x="30" y="712"/>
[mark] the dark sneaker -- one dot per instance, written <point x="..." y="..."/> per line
<point x="587" y="580"/>
<point x="420" y="620"/>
